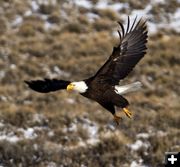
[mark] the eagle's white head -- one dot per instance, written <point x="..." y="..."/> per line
<point x="80" y="87"/>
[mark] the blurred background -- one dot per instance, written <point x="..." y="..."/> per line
<point x="71" y="40"/>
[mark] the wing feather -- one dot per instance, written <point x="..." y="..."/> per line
<point x="128" y="26"/>
<point x="127" y="54"/>
<point x="47" y="85"/>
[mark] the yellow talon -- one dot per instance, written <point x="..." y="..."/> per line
<point x="127" y="112"/>
<point x="117" y="119"/>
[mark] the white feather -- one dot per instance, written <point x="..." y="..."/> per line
<point x="80" y="86"/>
<point x="128" y="88"/>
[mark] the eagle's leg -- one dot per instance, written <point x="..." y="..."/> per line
<point x="116" y="119"/>
<point x="127" y="112"/>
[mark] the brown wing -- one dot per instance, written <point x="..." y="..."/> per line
<point x="126" y="55"/>
<point x="47" y="85"/>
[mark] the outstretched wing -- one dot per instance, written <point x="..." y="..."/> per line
<point x="127" y="54"/>
<point x="47" y="85"/>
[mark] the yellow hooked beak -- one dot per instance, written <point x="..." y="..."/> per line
<point x="70" y="87"/>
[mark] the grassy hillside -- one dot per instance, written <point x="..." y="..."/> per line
<point x="71" y="40"/>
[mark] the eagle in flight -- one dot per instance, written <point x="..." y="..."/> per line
<point x="103" y="87"/>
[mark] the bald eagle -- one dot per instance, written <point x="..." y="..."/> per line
<point x="103" y="87"/>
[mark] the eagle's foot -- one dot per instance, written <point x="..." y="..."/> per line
<point x="117" y="119"/>
<point x="127" y="112"/>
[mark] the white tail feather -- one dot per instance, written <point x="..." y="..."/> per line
<point x="128" y="88"/>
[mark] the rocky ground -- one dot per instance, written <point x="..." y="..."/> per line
<point x="71" y="40"/>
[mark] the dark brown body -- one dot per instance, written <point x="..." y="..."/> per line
<point x="104" y="94"/>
